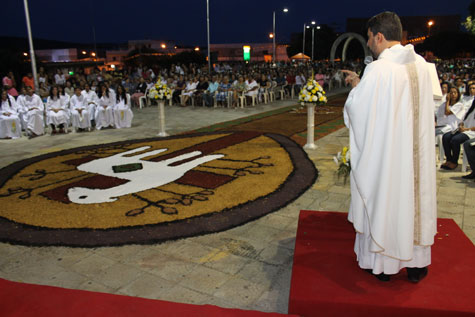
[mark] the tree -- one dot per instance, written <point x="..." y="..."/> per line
<point x="470" y="21"/>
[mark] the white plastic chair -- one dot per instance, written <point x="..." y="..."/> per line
<point x="144" y="99"/>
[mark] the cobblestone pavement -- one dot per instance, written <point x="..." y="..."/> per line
<point x="247" y="267"/>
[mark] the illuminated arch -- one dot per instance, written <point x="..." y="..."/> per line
<point x="348" y="37"/>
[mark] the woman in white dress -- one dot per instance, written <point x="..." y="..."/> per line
<point x="80" y="115"/>
<point x="33" y="110"/>
<point x="450" y="113"/>
<point x="104" y="112"/>
<point x="57" y="113"/>
<point x="189" y="90"/>
<point x="122" y="114"/>
<point x="10" y="126"/>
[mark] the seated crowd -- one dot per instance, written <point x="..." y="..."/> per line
<point x="455" y="116"/>
<point x="81" y="108"/>
<point x="87" y="98"/>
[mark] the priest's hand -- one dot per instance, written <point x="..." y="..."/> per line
<point x="351" y="78"/>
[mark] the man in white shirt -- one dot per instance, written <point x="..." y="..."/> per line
<point x="391" y="120"/>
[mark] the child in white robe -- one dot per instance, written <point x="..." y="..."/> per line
<point x="92" y="100"/>
<point x="80" y="115"/>
<point x="57" y="112"/>
<point x="33" y="113"/>
<point x="10" y="126"/>
<point x="104" y="112"/>
<point x="123" y="115"/>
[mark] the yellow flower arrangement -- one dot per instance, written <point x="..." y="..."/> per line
<point x="160" y="91"/>
<point x="342" y="160"/>
<point x="312" y="92"/>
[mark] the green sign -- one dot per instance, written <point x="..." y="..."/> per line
<point x="246" y="52"/>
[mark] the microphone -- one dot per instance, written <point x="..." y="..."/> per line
<point x="368" y="60"/>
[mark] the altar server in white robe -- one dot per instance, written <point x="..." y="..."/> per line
<point x="20" y="101"/>
<point x="10" y="126"/>
<point x="105" y="110"/>
<point x="390" y="116"/>
<point x="123" y="115"/>
<point x="33" y="108"/>
<point x="92" y="100"/>
<point x="80" y="116"/>
<point x="57" y="111"/>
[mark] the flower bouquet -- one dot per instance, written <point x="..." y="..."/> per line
<point x="160" y="91"/>
<point x="342" y="160"/>
<point x="312" y="92"/>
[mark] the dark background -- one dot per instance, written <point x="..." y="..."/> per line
<point x="184" y="21"/>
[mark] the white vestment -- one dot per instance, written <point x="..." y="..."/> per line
<point x="80" y="115"/>
<point x="390" y="116"/>
<point x="122" y="114"/>
<point x="62" y="115"/>
<point x="92" y="102"/>
<point x="34" y="118"/>
<point x="104" y="112"/>
<point x="10" y="126"/>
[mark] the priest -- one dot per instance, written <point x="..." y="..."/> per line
<point x="390" y="116"/>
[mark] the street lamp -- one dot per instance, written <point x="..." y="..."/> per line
<point x="285" y="10"/>
<point x="430" y="24"/>
<point x="313" y="37"/>
<point x="271" y="35"/>
<point x="207" y="26"/>
<point x="30" y="42"/>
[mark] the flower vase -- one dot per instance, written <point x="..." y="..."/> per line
<point x="161" y="118"/>
<point x="310" y="127"/>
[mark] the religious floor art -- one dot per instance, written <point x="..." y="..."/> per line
<point x="289" y="121"/>
<point x="150" y="190"/>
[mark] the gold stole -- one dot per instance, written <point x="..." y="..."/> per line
<point x="414" y="85"/>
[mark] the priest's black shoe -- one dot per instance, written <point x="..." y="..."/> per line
<point x="415" y="274"/>
<point x="382" y="277"/>
<point x="469" y="176"/>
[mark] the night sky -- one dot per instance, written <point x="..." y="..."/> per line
<point x="184" y="21"/>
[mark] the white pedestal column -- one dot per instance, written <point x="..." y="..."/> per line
<point x="310" y="127"/>
<point x="161" y="118"/>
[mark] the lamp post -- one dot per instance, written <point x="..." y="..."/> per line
<point x="30" y="41"/>
<point x="303" y="42"/>
<point x="273" y="32"/>
<point x="313" y="36"/>
<point x="207" y="23"/>
<point x="430" y="24"/>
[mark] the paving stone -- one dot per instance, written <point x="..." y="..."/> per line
<point x="239" y="291"/>
<point x="182" y="294"/>
<point x="204" y="280"/>
<point x="67" y="279"/>
<point x="118" y="275"/>
<point x="260" y="273"/>
<point x="226" y="262"/>
<point x="149" y="286"/>
<point x="92" y="265"/>
<point x="164" y="265"/>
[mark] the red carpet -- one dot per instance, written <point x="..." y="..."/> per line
<point x="326" y="280"/>
<point x="20" y="299"/>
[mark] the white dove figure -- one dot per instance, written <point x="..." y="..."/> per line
<point x="152" y="174"/>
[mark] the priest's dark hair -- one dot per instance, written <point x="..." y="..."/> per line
<point x="388" y="24"/>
